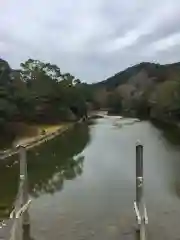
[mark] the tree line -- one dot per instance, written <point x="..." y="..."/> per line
<point x="39" y="92"/>
<point x="146" y="90"/>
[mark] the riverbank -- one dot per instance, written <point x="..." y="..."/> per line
<point x="41" y="131"/>
<point x="46" y="133"/>
<point x="163" y="120"/>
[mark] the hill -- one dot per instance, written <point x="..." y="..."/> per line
<point x="143" y="89"/>
<point x="156" y="71"/>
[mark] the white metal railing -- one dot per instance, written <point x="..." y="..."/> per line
<point x="144" y="216"/>
<point x="22" y="201"/>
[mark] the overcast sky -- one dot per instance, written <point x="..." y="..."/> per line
<point x="92" y="39"/>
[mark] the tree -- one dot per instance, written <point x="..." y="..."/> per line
<point x="55" y="94"/>
<point x="114" y="103"/>
<point x="165" y="100"/>
<point x="7" y="106"/>
<point x="39" y="92"/>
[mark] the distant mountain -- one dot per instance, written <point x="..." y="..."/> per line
<point x="143" y="89"/>
<point x="144" y="70"/>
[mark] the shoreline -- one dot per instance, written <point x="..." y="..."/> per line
<point x="35" y="141"/>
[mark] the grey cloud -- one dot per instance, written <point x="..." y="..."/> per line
<point x="161" y="32"/>
<point x="91" y="39"/>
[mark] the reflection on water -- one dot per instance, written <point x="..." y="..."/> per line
<point x="57" y="160"/>
<point x="9" y="175"/>
<point x="169" y="132"/>
<point x="26" y="229"/>
<point x="49" y="165"/>
<point x="170" y="135"/>
<point x="72" y="168"/>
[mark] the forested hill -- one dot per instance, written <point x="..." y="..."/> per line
<point x="143" y="70"/>
<point x="145" y="89"/>
<point x="39" y="92"/>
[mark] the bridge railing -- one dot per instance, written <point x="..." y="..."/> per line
<point x="20" y="214"/>
<point x="139" y="204"/>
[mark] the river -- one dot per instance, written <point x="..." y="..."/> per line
<point x="83" y="183"/>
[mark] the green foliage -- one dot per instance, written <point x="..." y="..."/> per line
<point x="114" y="103"/>
<point x="7" y="106"/>
<point x="168" y="95"/>
<point x="40" y="92"/>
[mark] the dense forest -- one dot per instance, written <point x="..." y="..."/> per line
<point x="39" y="93"/>
<point x="145" y="90"/>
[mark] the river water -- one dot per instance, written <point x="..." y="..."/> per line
<point x="83" y="183"/>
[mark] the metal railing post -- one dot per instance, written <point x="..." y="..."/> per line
<point x="139" y="174"/>
<point x="24" y="178"/>
<point x="139" y="204"/>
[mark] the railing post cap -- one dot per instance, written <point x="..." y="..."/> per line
<point x="20" y="146"/>
<point x="138" y="143"/>
<point x="22" y="177"/>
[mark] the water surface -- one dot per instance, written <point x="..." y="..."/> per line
<point x="83" y="183"/>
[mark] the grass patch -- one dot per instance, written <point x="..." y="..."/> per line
<point x="38" y="131"/>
